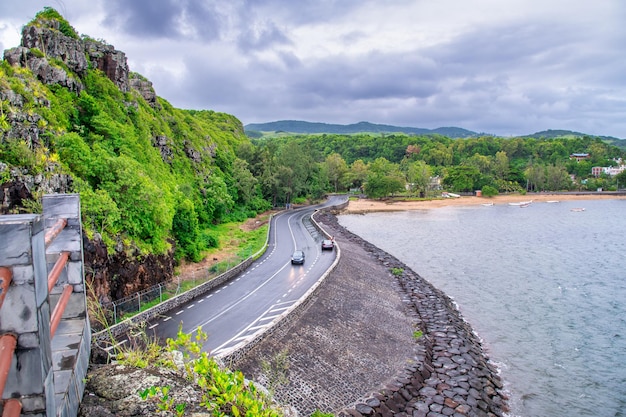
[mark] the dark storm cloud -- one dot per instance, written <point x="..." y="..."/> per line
<point x="166" y="18"/>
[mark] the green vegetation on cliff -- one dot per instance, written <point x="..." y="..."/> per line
<point x="146" y="171"/>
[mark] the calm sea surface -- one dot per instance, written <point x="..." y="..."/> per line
<point x="543" y="286"/>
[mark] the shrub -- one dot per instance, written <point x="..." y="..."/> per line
<point x="64" y="26"/>
<point x="209" y="240"/>
<point x="489" y="191"/>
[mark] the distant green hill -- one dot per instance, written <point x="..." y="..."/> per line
<point x="559" y="133"/>
<point x="297" y="126"/>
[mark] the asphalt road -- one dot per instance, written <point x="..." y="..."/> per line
<point x="247" y="304"/>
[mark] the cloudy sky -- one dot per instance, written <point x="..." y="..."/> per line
<point x="506" y="67"/>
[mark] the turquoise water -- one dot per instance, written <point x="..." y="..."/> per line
<point x="543" y="286"/>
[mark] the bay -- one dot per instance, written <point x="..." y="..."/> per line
<point x="543" y="286"/>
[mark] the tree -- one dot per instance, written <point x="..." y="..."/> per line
<point x="336" y="169"/>
<point x="621" y="180"/>
<point x="418" y="177"/>
<point x="501" y="165"/>
<point x="185" y="230"/>
<point x="243" y="181"/>
<point x="557" y="178"/>
<point x="379" y="186"/>
<point x="536" y="176"/>
<point x="461" y="177"/>
<point x="357" y="173"/>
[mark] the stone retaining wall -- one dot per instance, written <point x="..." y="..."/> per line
<point x="451" y="376"/>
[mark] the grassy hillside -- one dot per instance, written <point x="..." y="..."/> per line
<point x="147" y="172"/>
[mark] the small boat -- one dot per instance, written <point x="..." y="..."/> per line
<point x="553" y="201"/>
<point x="487" y="204"/>
<point x="521" y="203"/>
<point x="577" y="209"/>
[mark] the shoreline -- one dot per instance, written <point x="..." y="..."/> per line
<point x="364" y="205"/>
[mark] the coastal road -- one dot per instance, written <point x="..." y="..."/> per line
<point x="247" y="304"/>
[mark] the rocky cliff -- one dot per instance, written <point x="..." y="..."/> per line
<point x="56" y="59"/>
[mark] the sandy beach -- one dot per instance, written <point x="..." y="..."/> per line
<point x="364" y="205"/>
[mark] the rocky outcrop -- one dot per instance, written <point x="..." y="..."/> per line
<point x="44" y="42"/>
<point x="76" y="54"/>
<point x="21" y="187"/>
<point x="163" y="143"/>
<point x="146" y="90"/>
<point x="113" y="391"/>
<point x="110" y="61"/>
<point x="118" y="275"/>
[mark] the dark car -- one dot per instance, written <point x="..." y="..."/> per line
<point x="297" y="258"/>
<point x="328" y="244"/>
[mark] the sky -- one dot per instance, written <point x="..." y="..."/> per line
<point x="502" y="67"/>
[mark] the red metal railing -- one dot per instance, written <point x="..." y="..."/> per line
<point x="12" y="408"/>
<point x="53" y="276"/>
<point x="8" y="342"/>
<point x="54" y="231"/>
<point x="55" y="318"/>
<point x="7" y="347"/>
<point x="5" y="281"/>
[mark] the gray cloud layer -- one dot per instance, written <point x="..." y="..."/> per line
<point x="507" y="69"/>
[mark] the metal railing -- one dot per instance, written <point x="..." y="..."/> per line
<point x="134" y="303"/>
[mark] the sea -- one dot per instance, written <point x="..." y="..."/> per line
<point x="543" y="286"/>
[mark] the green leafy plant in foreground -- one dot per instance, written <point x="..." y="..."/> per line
<point x="397" y="271"/>
<point x="318" y="413"/>
<point x="165" y="402"/>
<point x="224" y="392"/>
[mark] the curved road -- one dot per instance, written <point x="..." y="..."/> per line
<point x="247" y="304"/>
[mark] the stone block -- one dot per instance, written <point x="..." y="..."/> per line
<point x="15" y="238"/>
<point x="28" y="340"/>
<point x="23" y="274"/>
<point x="61" y="206"/>
<point x="19" y="311"/>
<point x="44" y="337"/>
<point x="39" y="268"/>
<point x="62" y="381"/>
<point x="75" y="273"/>
<point x="75" y="307"/>
<point x="25" y="374"/>
<point x="34" y="405"/>
<point x="50" y="397"/>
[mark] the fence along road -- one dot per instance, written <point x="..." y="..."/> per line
<point x="239" y="309"/>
